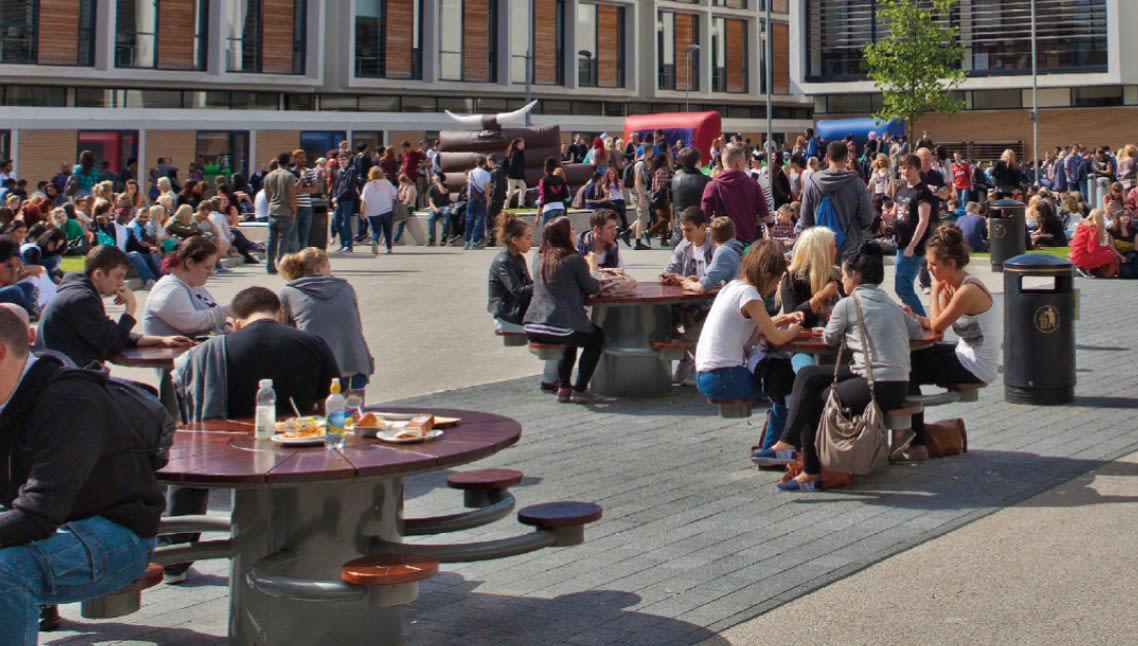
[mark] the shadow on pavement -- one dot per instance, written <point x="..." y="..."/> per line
<point x="1129" y="403"/>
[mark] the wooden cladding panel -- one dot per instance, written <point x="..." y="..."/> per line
<point x="780" y="6"/>
<point x="780" y="57"/>
<point x="683" y="38"/>
<point x="544" y="36"/>
<point x="399" y="36"/>
<point x="734" y="40"/>
<point x="608" y="43"/>
<point x="475" y="23"/>
<point x="39" y="152"/>
<point x="178" y="145"/>
<point x="176" y="25"/>
<point x="277" y="36"/>
<point x="58" y="37"/>
<point x="271" y="143"/>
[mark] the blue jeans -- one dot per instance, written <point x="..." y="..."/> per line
<point x="144" y="265"/>
<point x="442" y="214"/>
<point x="728" y="383"/>
<point x="301" y="229"/>
<point x="962" y="196"/>
<point x="381" y="221"/>
<point x="20" y="294"/>
<point x="905" y="273"/>
<point x="280" y="230"/>
<point x="475" y="219"/>
<point x="342" y="222"/>
<point x="84" y="559"/>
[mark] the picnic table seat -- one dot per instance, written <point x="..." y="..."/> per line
<point x="902" y="418"/>
<point x="567" y="519"/>
<point x="672" y="349"/>
<point x="483" y="487"/>
<point x="399" y="574"/>
<point x="125" y="600"/>
<point x="733" y="408"/>
<point x="547" y="351"/>
<point x="511" y="339"/>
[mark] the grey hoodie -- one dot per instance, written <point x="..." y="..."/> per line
<point x="888" y="328"/>
<point x="326" y="307"/>
<point x="850" y="198"/>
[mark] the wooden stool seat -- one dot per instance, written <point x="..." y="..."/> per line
<point x="151" y="577"/>
<point x="671" y="350"/>
<point x="968" y="392"/>
<point x="484" y="479"/>
<point x="902" y="418"/>
<point x="547" y="351"/>
<point x="511" y="339"/>
<point x="125" y="600"/>
<point x="389" y="569"/>
<point x="733" y="408"/>
<point x="550" y="515"/>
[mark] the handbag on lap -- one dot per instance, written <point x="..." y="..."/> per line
<point x="857" y="444"/>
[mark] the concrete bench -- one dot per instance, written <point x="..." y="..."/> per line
<point x="547" y="351"/>
<point x="733" y="408"/>
<point x="125" y="600"/>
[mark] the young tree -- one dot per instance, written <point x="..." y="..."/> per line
<point x="917" y="62"/>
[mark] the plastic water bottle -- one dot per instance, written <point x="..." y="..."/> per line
<point x="266" y="419"/>
<point x="336" y="416"/>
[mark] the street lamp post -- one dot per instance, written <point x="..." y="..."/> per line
<point x="688" y="51"/>
<point x="1034" y="100"/>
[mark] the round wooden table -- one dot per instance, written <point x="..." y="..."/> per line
<point x="630" y="367"/>
<point x="162" y="359"/>
<point x="815" y="346"/>
<point x="324" y="508"/>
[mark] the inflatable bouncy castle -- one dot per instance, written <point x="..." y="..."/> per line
<point x="696" y="129"/>
<point x="837" y="129"/>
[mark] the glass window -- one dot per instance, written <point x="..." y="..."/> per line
<point x="300" y="102"/>
<point x="731" y="4"/>
<point x="249" y="50"/>
<point x="114" y="146"/>
<point x="58" y="36"/>
<point x="389" y="36"/>
<point x="222" y="152"/>
<point x="96" y="97"/>
<point x="373" y="139"/>
<point x="152" y="99"/>
<point x="34" y="96"/>
<point x="729" y="51"/>
<point x="850" y="103"/>
<point x="1070" y="36"/>
<point x="379" y="103"/>
<point x="18" y="31"/>
<point x="6" y="144"/>
<point x="141" y="24"/>
<point x="468" y="61"/>
<point x="997" y="99"/>
<point x="254" y="101"/>
<point x="419" y="104"/>
<point x="677" y="49"/>
<point x="317" y="143"/>
<point x="1096" y="97"/>
<point x="600" y="45"/>
<point x="339" y="102"/>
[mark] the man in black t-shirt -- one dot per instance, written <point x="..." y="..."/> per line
<point x="914" y="221"/>
<point x="940" y="190"/>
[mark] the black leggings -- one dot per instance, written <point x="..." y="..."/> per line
<point x="935" y="365"/>
<point x="591" y="344"/>
<point x="812" y="389"/>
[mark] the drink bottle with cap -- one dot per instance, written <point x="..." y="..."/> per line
<point x="335" y="415"/>
<point x="266" y="415"/>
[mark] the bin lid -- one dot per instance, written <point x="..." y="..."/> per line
<point x="1006" y="202"/>
<point x="1038" y="263"/>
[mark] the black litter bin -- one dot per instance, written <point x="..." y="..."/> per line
<point x="1039" y="331"/>
<point x="1007" y="231"/>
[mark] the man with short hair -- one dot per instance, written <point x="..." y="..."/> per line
<point x="477" y="201"/>
<point x="80" y="498"/>
<point x="758" y="173"/>
<point x="724" y="260"/>
<point x="6" y="170"/>
<point x="75" y="322"/>
<point x="600" y="239"/>
<point x="693" y="254"/>
<point x="280" y="188"/>
<point x="915" y="203"/>
<point x="687" y="186"/>
<point x="734" y="194"/>
<point x="306" y="185"/>
<point x="848" y="195"/>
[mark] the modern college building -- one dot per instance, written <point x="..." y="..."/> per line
<point x="1087" y="79"/>
<point x="233" y="82"/>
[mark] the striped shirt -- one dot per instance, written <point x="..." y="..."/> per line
<point x="307" y="177"/>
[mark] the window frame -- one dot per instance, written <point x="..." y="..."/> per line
<point x="381" y="45"/>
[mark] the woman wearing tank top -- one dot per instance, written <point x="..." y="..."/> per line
<point x="964" y="303"/>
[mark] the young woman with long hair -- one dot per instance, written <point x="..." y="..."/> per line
<point x="516" y="171"/>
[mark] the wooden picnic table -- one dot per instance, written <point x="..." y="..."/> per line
<point x="629" y="366"/>
<point x="815" y="346"/>
<point x="160" y="358"/>
<point x="319" y="508"/>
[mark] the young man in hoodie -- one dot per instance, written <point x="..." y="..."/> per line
<point x="848" y="195"/>
<point x="75" y="323"/>
<point x="733" y="194"/>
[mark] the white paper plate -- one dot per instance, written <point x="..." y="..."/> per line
<point x="297" y="441"/>
<point x="389" y="435"/>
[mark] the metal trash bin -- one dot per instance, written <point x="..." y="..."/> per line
<point x="1039" y="331"/>
<point x="1007" y="231"/>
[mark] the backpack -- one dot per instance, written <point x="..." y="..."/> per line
<point x="629" y="178"/>
<point x="827" y="216"/>
<point x="347" y="184"/>
<point x="141" y="412"/>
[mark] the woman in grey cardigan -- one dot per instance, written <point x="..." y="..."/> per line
<point x="556" y="314"/>
<point x="319" y="303"/>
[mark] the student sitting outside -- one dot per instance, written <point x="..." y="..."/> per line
<point x="1092" y="250"/>
<point x="690" y="260"/>
<point x="725" y="258"/>
<point x="600" y="240"/>
<point x="974" y="227"/>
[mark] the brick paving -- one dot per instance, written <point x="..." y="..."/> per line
<point x="694" y="540"/>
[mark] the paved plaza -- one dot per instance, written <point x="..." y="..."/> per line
<point x="1028" y="538"/>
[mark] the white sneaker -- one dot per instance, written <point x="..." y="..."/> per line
<point x="173" y="579"/>
<point x="685" y="372"/>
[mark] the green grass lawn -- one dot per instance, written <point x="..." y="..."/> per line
<point x="71" y="263"/>
<point x="1061" y="252"/>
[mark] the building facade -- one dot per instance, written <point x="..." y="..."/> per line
<point x="1087" y="90"/>
<point x="230" y="83"/>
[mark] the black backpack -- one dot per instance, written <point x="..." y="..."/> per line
<point x="140" y="411"/>
<point x="629" y="175"/>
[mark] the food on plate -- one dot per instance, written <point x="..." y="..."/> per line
<point x="418" y="426"/>
<point x="370" y="420"/>
<point x="300" y="427"/>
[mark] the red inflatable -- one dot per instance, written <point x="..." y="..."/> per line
<point x="696" y="129"/>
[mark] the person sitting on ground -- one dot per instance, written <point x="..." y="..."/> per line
<point x="46" y="250"/>
<point x="74" y="484"/>
<point x="181" y="225"/>
<point x="75" y="322"/>
<point x="1092" y="250"/>
<point x="319" y="303"/>
<point x="13" y="286"/>
<point x="179" y="303"/>
<point x="722" y="354"/>
<point x="600" y="240"/>
<point x="556" y="314"/>
<point x="974" y="227"/>
<point x="962" y="302"/>
<point x="725" y="258"/>
<point x="1050" y="231"/>
<point x="889" y="330"/>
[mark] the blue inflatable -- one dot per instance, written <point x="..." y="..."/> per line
<point x="837" y="129"/>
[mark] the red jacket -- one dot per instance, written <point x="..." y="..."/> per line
<point x="1085" y="250"/>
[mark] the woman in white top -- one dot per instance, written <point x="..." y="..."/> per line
<point x="179" y="302"/>
<point x="879" y="181"/>
<point x="737" y="316"/>
<point x="377" y="201"/>
<point x="964" y="303"/>
<point x="408" y="195"/>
